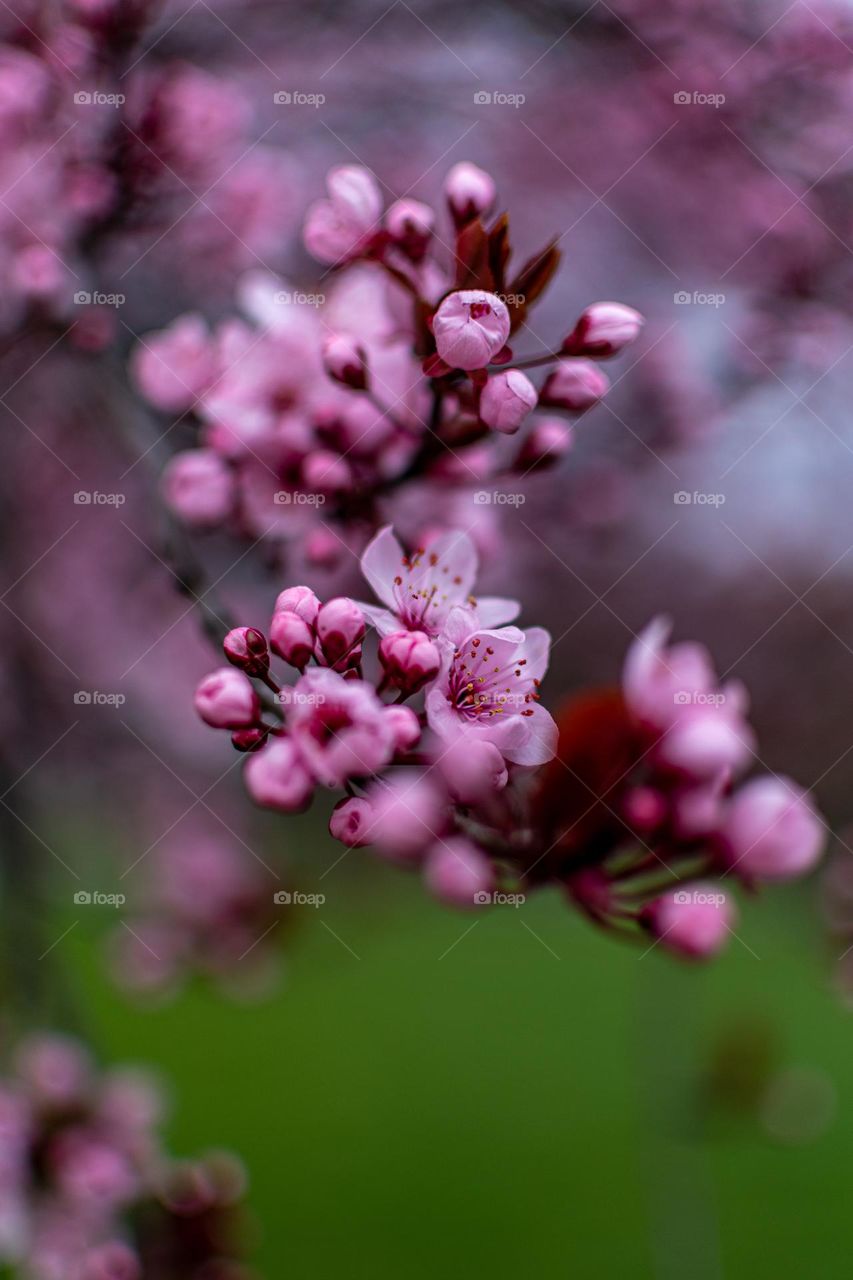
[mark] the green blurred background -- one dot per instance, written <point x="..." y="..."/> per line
<point x="512" y="1093"/>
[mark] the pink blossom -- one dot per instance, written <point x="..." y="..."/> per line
<point x="546" y="443"/>
<point x="198" y="487"/>
<point x="771" y="830"/>
<point x="345" y="360"/>
<point x="506" y="400"/>
<point x="420" y="590"/>
<point x="338" y="726"/>
<point x="694" y="922"/>
<point x="299" y="600"/>
<point x="246" y="648"/>
<point x="458" y="873"/>
<point x="473" y="769"/>
<point x="174" y="367"/>
<point x="575" y="385"/>
<point x="603" y="330"/>
<point x="470" y="327"/>
<point x="404" y="725"/>
<point x="291" y="638"/>
<point x="488" y="688"/>
<point x="338" y="228"/>
<point x="340" y="631"/>
<point x="276" y="778"/>
<point x="226" y="699"/>
<point x="410" y="224"/>
<point x="409" y="812"/>
<point x="470" y="191"/>
<point x="351" y="820"/>
<point x="410" y="659"/>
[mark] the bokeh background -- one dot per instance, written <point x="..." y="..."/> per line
<point x="422" y="1092"/>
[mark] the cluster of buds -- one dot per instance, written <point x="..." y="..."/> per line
<point x="646" y="823"/>
<point x="87" y="1192"/>
<point x="401" y="374"/>
<point x="632" y="808"/>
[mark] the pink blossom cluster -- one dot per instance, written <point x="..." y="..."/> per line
<point x="316" y="407"/>
<point x="104" y="153"/>
<point x="675" y="814"/>
<point x="427" y="749"/>
<point x="86" y="1190"/>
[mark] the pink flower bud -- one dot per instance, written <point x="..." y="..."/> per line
<point x="506" y="400"/>
<point x="340" y="227"/>
<point x="345" y="361"/>
<point x="409" y="814"/>
<point x="603" y="330"/>
<point x="772" y="831"/>
<point x="469" y="191"/>
<point x="575" y="385"/>
<point x="405" y="727"/>
<point x="326" y="472"/>
<point x="226" y="699"/>
<point x="547" y="442"/>
<point x="276" y="778"/>
<point x="410" y="659"/>
<point x="473" y="769"/>
<point x="198" y="487"/>
<point x="249" y="739"/>
<point x="174" y="367"/>
<point x="246" y="648"/>
<point x="291" y="638"/>
<point x="300" y="600"/>
<point x="469" y="328"/>
<point x="323" y="548"/>
<point x="459" y="874"/>
<point x="644" y="809"/>
<point x="55" y="1069"/>
<point x="694" y="922"/>
<point x="705" y="742"/>
<point x="409" y="224"/>
<point x="350" y="822"/>
<point x="340" y="628"/>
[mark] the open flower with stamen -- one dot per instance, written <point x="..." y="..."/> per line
<point x="421" y="589"/>
<point x="489" y="687"/>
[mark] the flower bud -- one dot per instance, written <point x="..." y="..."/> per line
<point x="603" y="330"/>
<point x="345" y="361"/>
<point x="410" y="659"/>
<point x="506" y="400"/>
<point x="174" y="367"/>
<point x="291" y="638"/>
<point x="473" y="769"/>
<point x="693" y="922"/>
<point x="575" y="384"/>
<point x="299" y="600"/>
<point x="226" y="699"/>
<point x="405" y="727"/>
<point x="644" y="809"/>
<point x="469" y="192"/>
<point x="350" y="822"/>
<point x="276" y="778"/>
<point x="340" y="629"/>
<point x="469" y="328"/>
<point x="409" y="814"/>
<point x="772" y="831"/>
<point x="409" y="224"/>
<point x="705" y="742"/>
<point x="198" y="487"/>
<point x="246" y="648"/>
<point x="326" y="472"/>
<point x="544" y="445"/>
<point x="323" y="548"/>
<point x="459" y="874"/>
<point x="249" y="739"/>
